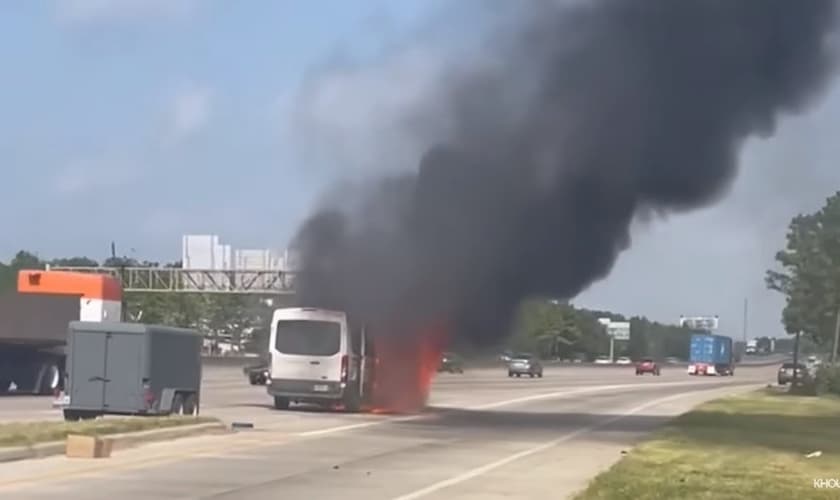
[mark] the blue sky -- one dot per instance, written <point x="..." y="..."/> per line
<point x="141" y="120"/>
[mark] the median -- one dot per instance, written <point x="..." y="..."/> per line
<point x="766" y="444"/>
<point x="21" y="440"/>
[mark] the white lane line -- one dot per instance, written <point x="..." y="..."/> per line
<point x="478" y="471"/>
<point x="486" y="406"/>
<point x="584" y="390"/>
<point x="343" y="428"/>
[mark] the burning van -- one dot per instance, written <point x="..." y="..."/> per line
<point x="320" y="356"/>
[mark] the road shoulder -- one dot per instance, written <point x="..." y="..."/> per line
<point x="120" y="440"/>
<point x="743" y="446"/>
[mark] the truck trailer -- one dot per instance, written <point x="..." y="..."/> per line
<point x="34" y="322"/>
<point x="711" y="355"/>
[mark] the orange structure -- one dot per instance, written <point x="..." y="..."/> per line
<point x="100" y="295"/>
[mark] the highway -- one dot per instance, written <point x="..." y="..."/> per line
<point x="484" y="436"/>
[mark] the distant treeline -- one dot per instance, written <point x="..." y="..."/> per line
<point x="550" y="328"/>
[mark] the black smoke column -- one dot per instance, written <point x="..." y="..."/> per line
<point x="593" y="112"/>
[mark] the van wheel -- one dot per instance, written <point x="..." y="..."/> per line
<point x="281" y="403"/>
<point x="352" y="400"/>
<point x="190" y="406"/>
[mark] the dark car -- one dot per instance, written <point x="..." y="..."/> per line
<point x="786" y="373"/>
<point x="647" y="366"/>
<point x="257" y="374"/>
<point x="451" y="363"/>
<point x="524" y="364"/>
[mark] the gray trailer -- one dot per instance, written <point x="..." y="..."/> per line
<point x="131" y="369"/>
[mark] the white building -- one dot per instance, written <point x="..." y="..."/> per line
<point x="205" y="252"/>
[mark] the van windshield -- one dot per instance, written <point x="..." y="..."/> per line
<point x="308" y="338"/>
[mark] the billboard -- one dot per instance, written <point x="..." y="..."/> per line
<point x="699" y="322"/>
<point x="619" y="330"/>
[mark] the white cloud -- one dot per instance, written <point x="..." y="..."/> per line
<point x="95" y="11"/>
<point x="84" y="176"/>
<point x="190" y="111"/>
<point x="369" y="117"/>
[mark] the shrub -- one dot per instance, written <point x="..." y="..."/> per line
<point x="828" y="379"/>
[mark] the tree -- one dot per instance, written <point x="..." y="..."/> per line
<point x="808" y="273"/>
<point x="8" y="273"/>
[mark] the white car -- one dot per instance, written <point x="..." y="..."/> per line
<point x="624" y="360"/>
<point x="602" y="360"/>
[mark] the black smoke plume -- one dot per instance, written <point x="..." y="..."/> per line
<point x="590" y="114"/>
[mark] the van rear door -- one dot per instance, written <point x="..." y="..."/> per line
<point x="306" y="349"/>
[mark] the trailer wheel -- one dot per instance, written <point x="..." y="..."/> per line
<point x="76" y="415"/>
<point x="177" y="405"/>
<point x="190" y="405"/>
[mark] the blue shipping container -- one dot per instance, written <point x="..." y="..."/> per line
<point x="711" y="349"/>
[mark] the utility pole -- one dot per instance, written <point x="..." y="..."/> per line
<point x="124" y="303"/>
<point x="795" y="358"/>
<point x="836" y="338"/>
<point x="746" y="308"/>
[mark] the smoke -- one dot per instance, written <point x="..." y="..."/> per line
<point x="585" y="116"/>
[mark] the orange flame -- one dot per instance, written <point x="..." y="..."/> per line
<point x="406" y="366"/>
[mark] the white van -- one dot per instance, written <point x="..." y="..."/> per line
<point x="318" y="356"/>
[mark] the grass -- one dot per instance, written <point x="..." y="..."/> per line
<point x="747" y="446"/>
<point x="29" y="433"/>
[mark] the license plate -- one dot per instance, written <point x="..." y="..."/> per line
<point x="321" y="388"/>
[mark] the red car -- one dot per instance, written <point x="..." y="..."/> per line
<point x="647" y="366"/>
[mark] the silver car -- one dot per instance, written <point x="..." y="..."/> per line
<point x="524" y="364"/>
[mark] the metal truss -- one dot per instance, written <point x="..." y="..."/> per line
<point x="164" y="279"/>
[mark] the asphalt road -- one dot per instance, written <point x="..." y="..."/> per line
<point x="484" y="437"/>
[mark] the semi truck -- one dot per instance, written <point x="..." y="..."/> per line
<point x="34" y="322"/>
<point x="711" y="354"/>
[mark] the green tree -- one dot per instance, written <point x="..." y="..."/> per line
<point x="9" y="273"/>
<point x="553" y="328"/>
<point x="75" y="262"/>
<point x="808" y="273"/>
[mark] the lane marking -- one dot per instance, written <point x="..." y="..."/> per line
<point x="479" y="471"/>
<point x="256" y="442"/>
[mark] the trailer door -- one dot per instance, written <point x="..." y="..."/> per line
<point x="124" y="372"/>
<point x="87" y="370"/>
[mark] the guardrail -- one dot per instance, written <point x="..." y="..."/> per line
<point x="241" y="361"/>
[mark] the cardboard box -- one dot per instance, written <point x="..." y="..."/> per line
<point x="78" y="446"/>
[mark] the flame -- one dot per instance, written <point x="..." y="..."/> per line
<point x="405" y="368"/>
